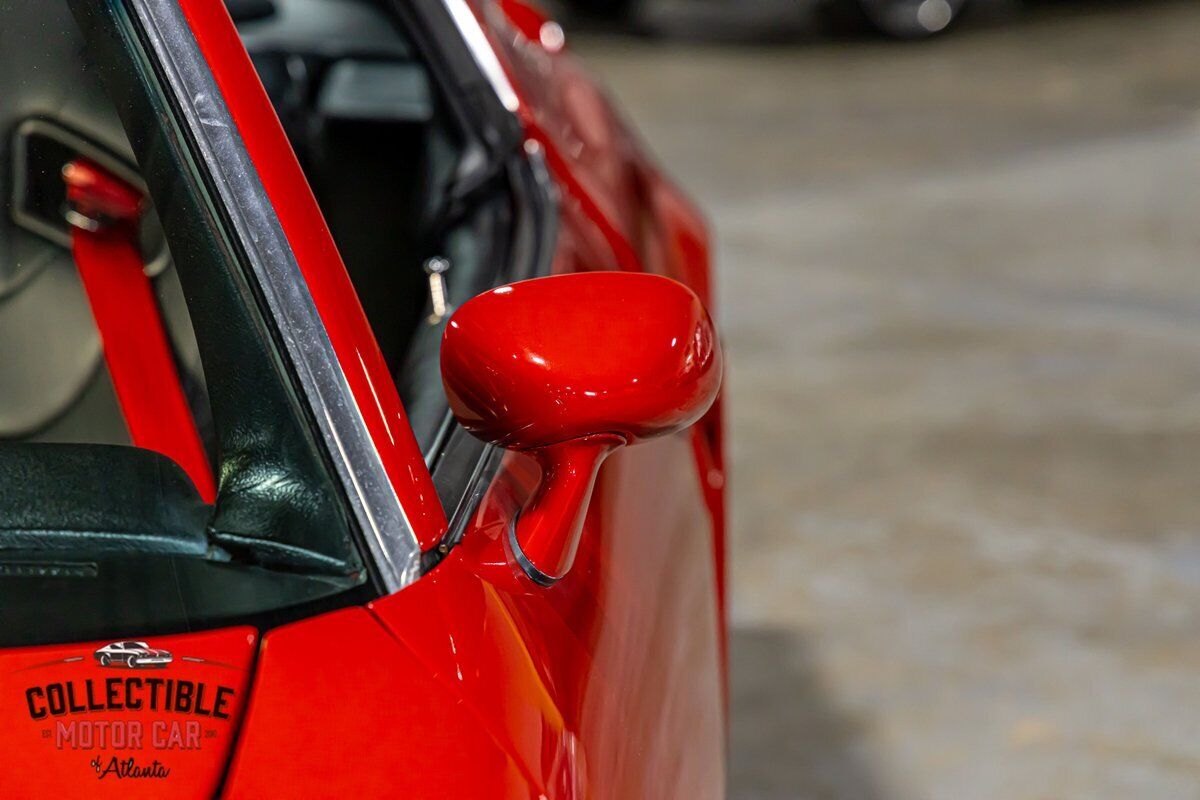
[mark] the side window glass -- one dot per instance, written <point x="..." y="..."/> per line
<point x="421" y="221"/>
<point x="60" y="382"/>
<point x="158" y="470"/>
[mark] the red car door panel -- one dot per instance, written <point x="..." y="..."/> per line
<point x="622" y="653"/>
<point x="339" y="709"/>
<point x="628" y="645"/>
<point x="469" y="639"/>
<point x="609" y="683"/>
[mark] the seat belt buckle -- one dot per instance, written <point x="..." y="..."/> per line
<point x="97" y="200"/>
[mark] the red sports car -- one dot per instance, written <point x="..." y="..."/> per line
<point x="356" y="369"/>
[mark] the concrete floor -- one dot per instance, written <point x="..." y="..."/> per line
<point x="961" y="290"/>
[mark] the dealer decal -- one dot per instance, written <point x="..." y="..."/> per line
<point x="129" y="712"/>
<point x="120" y="694"/>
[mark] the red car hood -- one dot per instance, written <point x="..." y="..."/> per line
<point x="328" y="707"/>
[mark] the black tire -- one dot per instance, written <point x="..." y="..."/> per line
<point x="132" y="662"/>
<point x="911" y="19"/>
<point x="104" y="660"/>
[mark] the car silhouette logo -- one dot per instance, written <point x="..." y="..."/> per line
<point x="134" y="655"/>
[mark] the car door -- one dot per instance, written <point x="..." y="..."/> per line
<point x="623" y="657"/>
<point x="608" y="683"/>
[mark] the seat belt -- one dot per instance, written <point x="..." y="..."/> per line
<point x="104" y="212"/>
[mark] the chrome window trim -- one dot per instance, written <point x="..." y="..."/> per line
<point x="389" y="536"/>
<point x="481" y="51"/>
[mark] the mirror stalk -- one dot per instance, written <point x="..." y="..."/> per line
<point x="545" y="535"/>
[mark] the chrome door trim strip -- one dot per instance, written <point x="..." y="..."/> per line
<point x="386" y="529"/>
<point x="481" y="51"/>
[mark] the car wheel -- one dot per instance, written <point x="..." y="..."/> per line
<point x="133" y="662"/>
<point x="911" y="19"/>
<point x="105" y="660"/>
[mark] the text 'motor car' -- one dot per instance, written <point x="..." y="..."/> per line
<point x="360" y="416"/>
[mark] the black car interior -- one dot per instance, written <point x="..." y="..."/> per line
<point x="100" y="539"/>
<point x="395" y="178"/>
<point x="388" y="163"/>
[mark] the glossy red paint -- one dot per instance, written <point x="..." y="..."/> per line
<point x="552" y="359"/>
<point x="137" y="349"/>
<point x="339" y="708"/>
<point x="587" y="146"/>
<point x="675" y="242"/>
<point x="618" y="208"/>
<point x="604" y="685"/>
<point x="349" y="332"/>
<point x="607" y="683"/>
<point x="546" y="531"/>
<point x="529" y="18"/>
<point x="522" y="370"/>
<point x="71" y="725"/>
<point x="474" y="644"/>
<point x="474" y="681"/>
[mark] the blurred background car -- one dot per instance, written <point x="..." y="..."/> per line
<point x="903" y="19"/>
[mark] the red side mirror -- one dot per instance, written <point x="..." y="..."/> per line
<point x="569" y="368"/>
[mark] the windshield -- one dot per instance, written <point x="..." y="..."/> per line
<point x="158" y="470"/>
